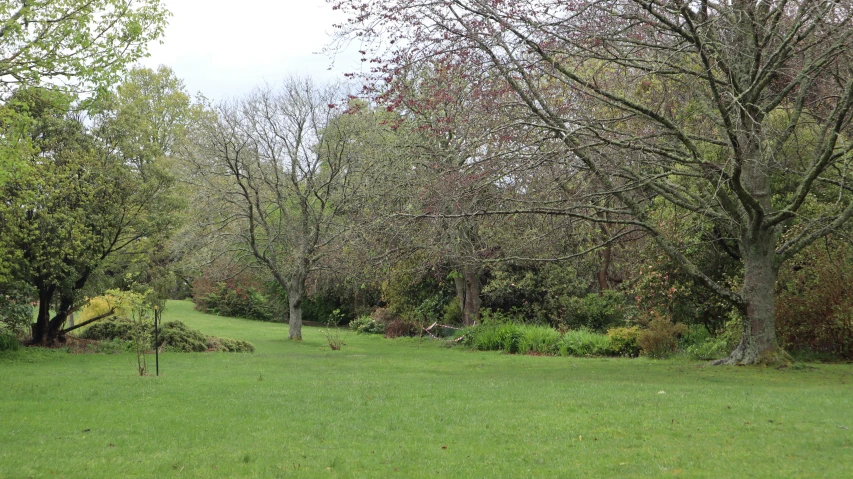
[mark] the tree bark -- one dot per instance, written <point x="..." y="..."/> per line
<point x="295" y="292"/>
<point x="468" y="286"/>
<point x="42" y="324"/>
<point x="758" y="344"/>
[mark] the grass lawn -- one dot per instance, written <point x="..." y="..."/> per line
<point x="389" y="408"/>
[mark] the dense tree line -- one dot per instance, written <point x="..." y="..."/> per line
<point x="569" y="163"/>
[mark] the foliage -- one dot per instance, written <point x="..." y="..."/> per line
<point x="495" y="336"/>
<point x="176" y="336"/>
<point x="401" y="328"/>
<point x="452" y="313"/>
<point x="710" y="348"/>
<point x="597" y="312"/>
<point x="541" y="294"/>
<point x="8" y="341"/>
<point x="814" y="307"/>
<point x="538" y="339"/>
<point x="82" y="43"/>
<point x="623" y="341"/>
<point x="109" y="329"/>
<point x="79" y="204"/>
<point x="227" y="345"/>
<point x="236" y="302"/>
<point x="367" y="325"/>
<point x="660" y="339"/>
<point x="420" y="295"/>
<point x="16" y="312"/>
<point x="584" y="342"/>
<point x="173" y="336"/>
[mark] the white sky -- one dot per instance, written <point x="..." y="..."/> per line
<point x="225" y="48"/>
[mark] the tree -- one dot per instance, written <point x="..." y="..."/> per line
<point x="738" y="111"/>
<point x="278" y="174"/>
<point x="75" y="206"/>
<point x="71" y="45"/>
<point x="75" y="43"/>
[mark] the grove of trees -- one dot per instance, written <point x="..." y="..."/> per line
<point x="571" y="163"/>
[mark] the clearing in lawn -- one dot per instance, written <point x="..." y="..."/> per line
<point x="392" y="408"/>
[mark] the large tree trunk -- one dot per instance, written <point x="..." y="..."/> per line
<point x="44" y="331"/>
<point x="295" y="292"/>
<point x="468" y="285"/>
<point x="758" y="344"/>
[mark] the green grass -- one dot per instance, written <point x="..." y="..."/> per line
<point x="387" y="408"/>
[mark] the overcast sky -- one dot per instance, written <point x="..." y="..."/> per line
<point x="225" y="48"/>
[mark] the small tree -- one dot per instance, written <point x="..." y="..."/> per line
<point x="275" y="175"/>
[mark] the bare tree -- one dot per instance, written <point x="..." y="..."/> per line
<point x="278" y="173"/>
<point x="736" y="110"/>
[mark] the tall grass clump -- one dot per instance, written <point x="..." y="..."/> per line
<point x="495" y="337"/>
<point x="538" y="339"/>
<point x="584" y="342"/>
<point x="8" y="341"/>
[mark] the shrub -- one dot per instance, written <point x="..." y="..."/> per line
<point x="16" y="313"/>
<point x="623" y="341"/>
<point x="109" y="329"/>
<point x="227" y="345"/>
<point x="452" y="313"/>
<point x="584" y="342"/>
<point x="508" y="335"/>
<point x="814" y="306"/>
<point x="594" y="311"/>
<point x="173" y="336"/>
<point x="8" y="341"/>
<point x="491" y="336"/>
<point x="176" y="336"/>
<point x="400" y="327"/>
<point x="709" y="349"/>
<point x="660" y="339"/>
<point x="538" y="339"/>
<point x="367" y="325"/>
<point x="383" y="315"/>
<point x="482" y="337"/>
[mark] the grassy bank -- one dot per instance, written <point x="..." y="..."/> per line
<point x="381" y="408"/>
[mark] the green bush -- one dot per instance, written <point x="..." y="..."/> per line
<point x="367" y="325"/>
<point x="595" y="312"/>
<point x="226" y="345"/>
<point x="661" y="338"/>
<point x="109" y="329"/>
<point x="16" y="312"/>
<point x="176" y="336"/>
<point x="9" y="341"/>
<point x="538" y="339"/>
<point x="452" y="313"/>
<point x="482" y="337"/>
<point x="490" y="336"/>
<point x="173" y="336"/>
<point x="623" y="341"/>
<point x="508" y="335"/>
<point x="584" y="342"/>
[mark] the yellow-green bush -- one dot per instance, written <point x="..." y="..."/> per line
<point x="623" y="341"/>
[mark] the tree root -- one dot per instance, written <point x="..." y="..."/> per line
<point x="743" y="355"/>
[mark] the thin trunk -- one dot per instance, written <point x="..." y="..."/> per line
<point x="604" y="268"/>
<point x="471" y="309"/>
<point x="295" y="292"/>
